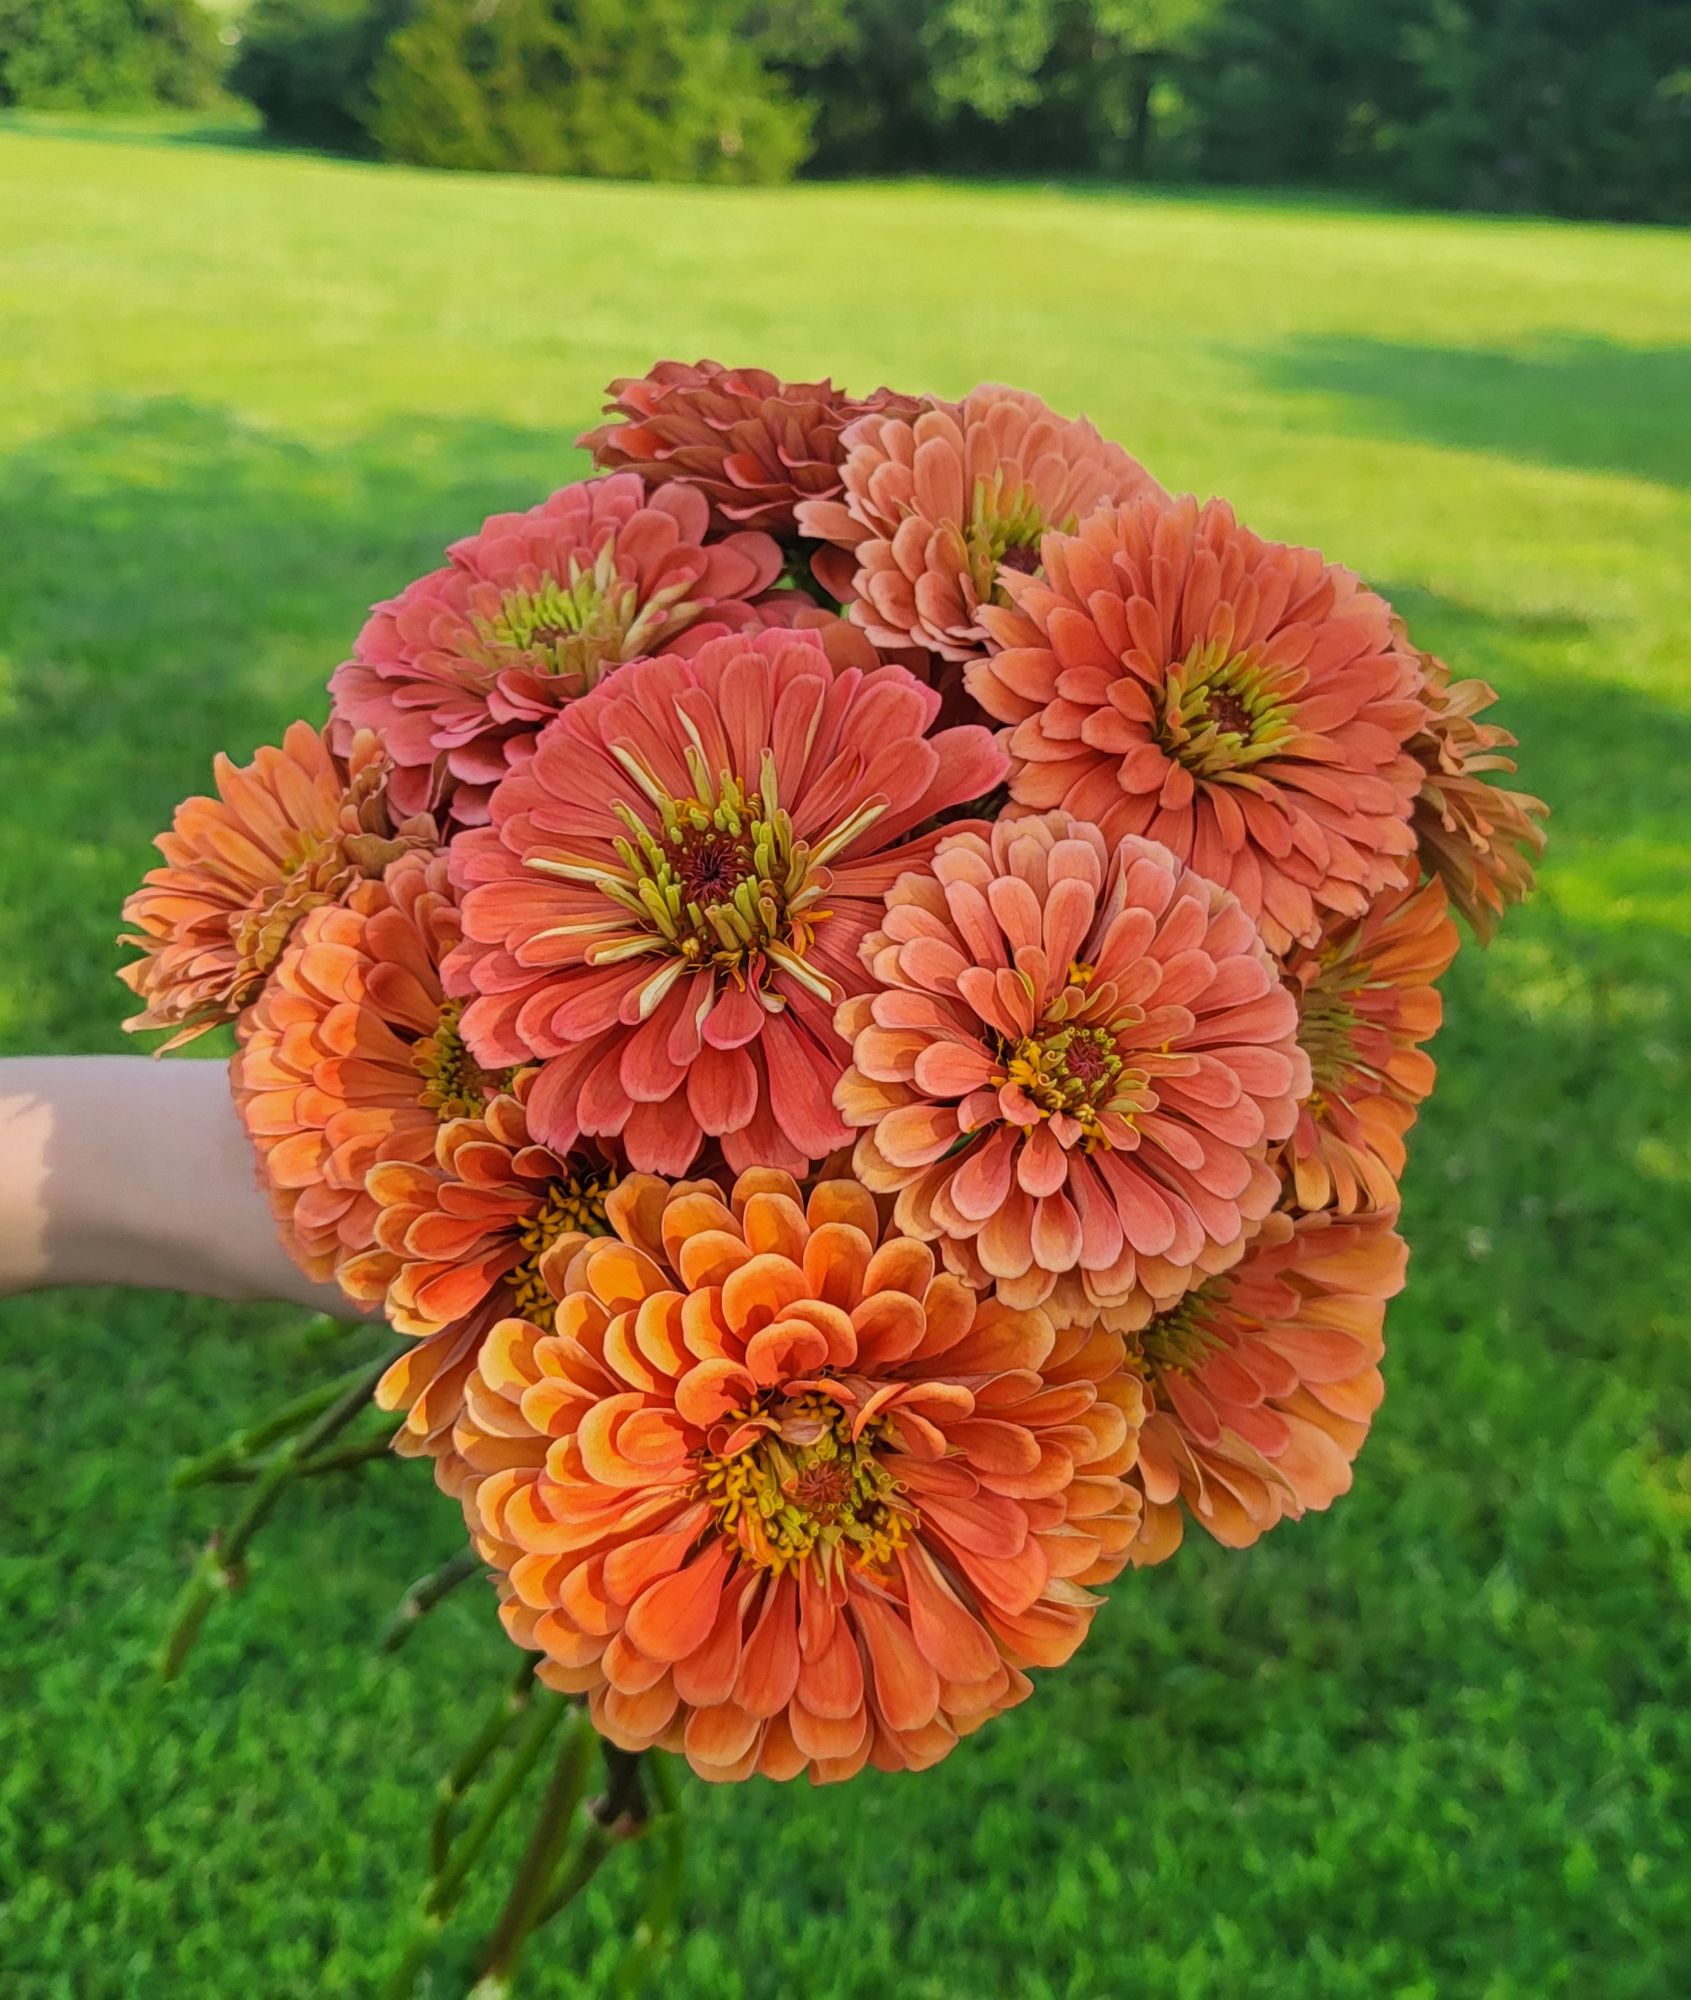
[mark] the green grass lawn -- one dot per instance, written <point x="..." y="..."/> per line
<point x="1435" y="1744"/>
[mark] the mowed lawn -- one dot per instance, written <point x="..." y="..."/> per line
<point x="1434" y="1746"/>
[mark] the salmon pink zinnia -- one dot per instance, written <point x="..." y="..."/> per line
<point x="1070" y="1066"/>
<point x="462" y="668"/>
<point x="938" y="501"/>
<point x="1262" y="1383"/>
<point x="776" y="1495"/>
<point x="667" y="907"/>
<point x="753" y="445"/>
<point x="1367" y="999"/>
<point x="1247" y="704"/>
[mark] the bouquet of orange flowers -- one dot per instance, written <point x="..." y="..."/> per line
<point x="853" y="985"/>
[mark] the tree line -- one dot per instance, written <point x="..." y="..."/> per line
<point x="1569" y="107"/>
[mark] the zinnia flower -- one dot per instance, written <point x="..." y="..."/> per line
<point x="1072" y="1062"/>
<point x="1479" y="839"/>
<point x="938" y="501"/>
<point x="290" y="832"/>
<point x="1171" y="674"/>
<point x="775" y="1495"/>
<point x="353" y="1056"/>
<point x="482" y="1230"/>
<point x="1367" y="1000"/>
<point x="668" y="905"/>
<point x="461" y="669"/>
<point x="1262" y="1383"/>
<point x="753" y="445"/>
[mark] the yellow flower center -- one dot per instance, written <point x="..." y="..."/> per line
<point x="454" y="1084"/>
<point x="806" y="1490"/>
<point x="1074" y="1069"/>
<point x="576" y="1204"/>
<point x="1222" y="712"/>
<point x="1005" y="527"/>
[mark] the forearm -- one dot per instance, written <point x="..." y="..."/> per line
<point x="119" y="1170"/>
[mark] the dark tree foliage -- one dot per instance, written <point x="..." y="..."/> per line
<point x="308" y="66"/>
<point x="107" y="55"/>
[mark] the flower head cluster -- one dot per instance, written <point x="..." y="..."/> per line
<point x="851" y="1176"/>
<point x="792" y="1499"/>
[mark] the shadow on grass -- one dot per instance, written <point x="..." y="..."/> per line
<point x="177" y="582"/>
<point x="1588" y="404"/>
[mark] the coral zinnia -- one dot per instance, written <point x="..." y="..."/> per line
<point x="777" y="1496"/>
<point x="352" y="1056"/>
<point x="288" y="833"/>
<point x="937" y="502"/>
<point x="1480" y="839"/>
<point x="1245" y="703"/>
<point x="1262" y="1383"/>
<point x="483" y="1229"/>
<point x="669" y="902"/>
<point x="461" y="669"/>
<point x="753" y="445"/>
<point x="1072" y="1067"/>
<point x="1366" y="1002"/>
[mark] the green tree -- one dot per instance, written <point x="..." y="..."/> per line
<point x="636" y="89"/>
<point x="308" y="66"/>
<point x="107" y="55"/>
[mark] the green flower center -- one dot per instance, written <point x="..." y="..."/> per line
<point x="1004" y="529"/>
<point x="576" y="628"/>
<point x="805" y="1490"/>
<point x="1182" y="1337"/>
<point x="1223" y="712"/>
<point x="454" y="1084"/>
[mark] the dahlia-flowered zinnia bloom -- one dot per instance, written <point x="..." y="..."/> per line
<point x="668" y="905"/>
<point x="288" y="833"/>
<point x="352" y="1055"/>
<point x="753" y="445"/>
<point x="1262" y="1383"/>
<point x="1070" y="1066"/>
<point x="1477" y="837"/>
<point x="938" y="502"/>
<point x="1367" y="1000"/>
<point x="1245" y="703"/>
<point x="462" y="668"/>
<point x="482" y="1230"/>
<point x="777" y="1496"/>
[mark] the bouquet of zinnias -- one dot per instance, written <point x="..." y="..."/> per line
<point x="854" y="985"/>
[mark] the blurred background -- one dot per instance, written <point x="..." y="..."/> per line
<point x="259" y="362"/>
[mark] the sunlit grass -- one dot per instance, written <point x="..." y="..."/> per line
<point x="1436" y="1744"/>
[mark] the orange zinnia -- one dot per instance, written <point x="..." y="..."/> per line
<point x="288" y="833"/>
<point x="483" y="1229"/>
<point x="1477" y="837"/>
<point x="938" y="501"/>
<point x="1367" y="1000"/>
<point x="776" y="1495"/>
<point x="1247" y="704"/>
<point x="353" y="1056"/>
<point x="1262" y="1383"/>
<point x="1074" y="1058"/>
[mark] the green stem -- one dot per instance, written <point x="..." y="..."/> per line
<point x="425" y="1594"/>
<point x="547" y="1712"/>
<point x="345" y="1459"/>
<point x="247" y="1444"/>
<point x="501" y="1718"/>
<point x="219" y="1569"/>
<point x="540" y="1858"/>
